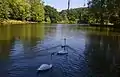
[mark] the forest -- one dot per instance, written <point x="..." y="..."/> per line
<point x="30" y="10"/>
<point x="98" y="11"/>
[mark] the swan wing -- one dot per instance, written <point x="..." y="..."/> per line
<point x="44" y="67"/>
<point x="62" y="52"/>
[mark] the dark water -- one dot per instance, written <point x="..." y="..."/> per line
<point x="94" y="52"/>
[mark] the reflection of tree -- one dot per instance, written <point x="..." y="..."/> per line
<point x="17" y="48"/>
<point x="4" y="49"/>
<point x="5" y="32"/>
<point x="50" y="30"/>
<point x="19" y="32"/>
<point x="37" y="31"/>
<point x="22" y="31"/>
<point x="28" y="31"/>
<point x="102" y="53"/>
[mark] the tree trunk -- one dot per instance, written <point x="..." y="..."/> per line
<point x="101" y="20"/>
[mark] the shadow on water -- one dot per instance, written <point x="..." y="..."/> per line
<point x="102" y="53"/>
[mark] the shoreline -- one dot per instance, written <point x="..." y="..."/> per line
<point x="17" y="22"/>
<point x="12" y="22"/>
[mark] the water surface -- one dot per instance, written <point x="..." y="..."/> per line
<point x="23" y="48"/>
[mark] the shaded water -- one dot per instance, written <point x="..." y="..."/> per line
<point x="23" y="50"/>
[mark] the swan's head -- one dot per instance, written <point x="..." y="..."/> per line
<point x="50" y="65"/>
<point x="64" y="38"/>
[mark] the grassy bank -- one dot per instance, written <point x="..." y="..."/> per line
<point x="6" y="22"/>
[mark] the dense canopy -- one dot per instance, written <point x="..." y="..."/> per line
<point x="98" y="11"/>
<point x="32" y="10"/>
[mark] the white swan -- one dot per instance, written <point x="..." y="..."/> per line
<point x="63" y="52"/>
<point x="45" y="67"/>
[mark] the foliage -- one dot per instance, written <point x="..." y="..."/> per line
<point x="105" y="10"/>
<point x="47" y="19"/>
<point x="34" y="10"/>
<point x="75" y="15"/>
<point x="52" y="13"/>
<point x="22" y="10"/>
<point x="37" y="10"/>
<point x="64" y="18"/>
<point x="4" y="9"/>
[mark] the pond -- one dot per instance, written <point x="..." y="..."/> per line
<point x="92" y="52"/>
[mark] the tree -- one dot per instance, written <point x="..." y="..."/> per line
<point x="47" y="19"/>
<point x="19" y="9"/>
<point x="64" y="17"/>
<point x="114" y="11"/>
<point x="76" y="14"/>
<point x="4" y="9"/>
<point x="98" y="9"/>
<point x="103" y="10"/>
<point x="22" y="10"/>
<point x="52" y="13"/>
<point x="37" y="10"/>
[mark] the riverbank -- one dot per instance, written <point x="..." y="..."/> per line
<point x="6" y="22"/>
<point x="106" y="25"/>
